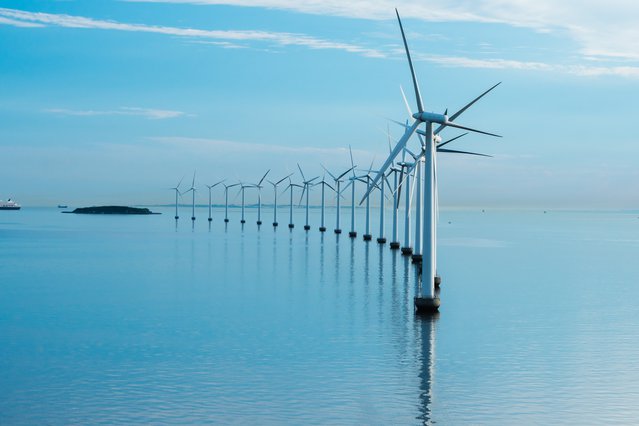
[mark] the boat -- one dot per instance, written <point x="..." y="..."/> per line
<point x="9" y="205"/>
<point x="62" y="206"/>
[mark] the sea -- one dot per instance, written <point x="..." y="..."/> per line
<point x="109" y="319"/>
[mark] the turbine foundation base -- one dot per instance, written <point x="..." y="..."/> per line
<point x="407" y="251"/>
<point x="338" y="231"/>
<point x="307" y="227"/>
<point x="242" y="221"/>
<point x="192" y="217"/>
<point x="381" y="240"/>
<point x="226" y="221"/>
<point x="427" y="305"/>
<point x="368" y="237"/>
<point x="210" y="219"/>
<point x="275" y="224"/>
<point x="322" y="229"/>
<point x="259" y="222"/>
<point x="291" y="226"/>
<point x="394" y="245"/>
<point x="352" y="234"/>
<point x="417" y="258"/>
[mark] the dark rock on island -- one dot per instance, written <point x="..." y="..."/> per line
<point x="111" y="210"/>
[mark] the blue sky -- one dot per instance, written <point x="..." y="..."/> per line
<point x="114" y="101"/>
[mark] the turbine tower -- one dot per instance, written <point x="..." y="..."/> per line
<point x="275" y="197"/>
<point x="211" y="187"/>
<point x="338" y="180"/>
<point x="226" y="201"/>
<point x="426" y="300"/>
<point x="176" y="188"/>
<point x="306" y="188"/>
<point x="324" y="184"/>
<point x="259" y="198"/>
<point x="290" y="187"/>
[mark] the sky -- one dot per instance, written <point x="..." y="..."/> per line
<point x="113" y="102"/>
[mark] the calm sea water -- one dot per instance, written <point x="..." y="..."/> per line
<point x="124" y="319"/>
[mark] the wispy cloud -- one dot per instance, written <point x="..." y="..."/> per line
<point x="277" y="38"/>
<point x="151" y="114"/>
<point x="21" y="24"/>
<point x="602" y="28"/>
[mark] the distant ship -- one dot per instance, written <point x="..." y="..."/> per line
<point x="9" y="205"/>
<point x="62" y="206"/>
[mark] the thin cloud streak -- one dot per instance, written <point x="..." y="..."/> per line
<point x="232" y="39"/>
<point x="278" y="38"/>
<point x="151" y="114"/>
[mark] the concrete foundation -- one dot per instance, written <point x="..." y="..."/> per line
<point x="394" y="245"/>
<point x="427" y="305"/>
<point x="322" y="229"/>
<point x="381" y="240"/>
<point x="352" y="234"/>
<point x="368" y="237"/>
<point x="338" y="231"/>
<point x="407" y="251"/>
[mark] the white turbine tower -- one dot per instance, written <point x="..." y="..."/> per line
<point x="352" y="233"/>
<point x="338" y="181"/>
<point x="242" y="188"/>
<point x="210" y="187"/>
<point x="324" y="184"/>
<point x="259" y="198"/>
<point x="307" y="189"/>
<point x="192" y="190"/>
<point x="226" y="201"/>
<point x="176" y="188"/>
<point x="290" y="187"/>
<point x="275" y="197"/>
<point x="382" y="200"/>
<point x="427" y="300"/>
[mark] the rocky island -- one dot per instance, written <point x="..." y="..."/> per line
<point x="111" y="210"/>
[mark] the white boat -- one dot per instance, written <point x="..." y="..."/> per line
<point x="9" y="205"/>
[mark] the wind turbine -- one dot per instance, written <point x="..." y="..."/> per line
<point x="275" y="197"/>
<point x="211" y="187"/>
<point x="324" y="184"/>
<point x="242" y="188"/>
<point x="192" y="190"/>
<point x="427" y="301"/>
<point x="352" y="233"/>
<point x="290" y="187"/>
<point x="307" y="189"/>
<point x="259" y="198"/>
<point x="338" y="180"/>
<point x="226" y="201"/>
<point x="382" y="199"/>
<point x="177" y="192"/>
<point x="367" y="176"/>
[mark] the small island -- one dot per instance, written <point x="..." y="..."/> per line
<point x="111" y="210"/>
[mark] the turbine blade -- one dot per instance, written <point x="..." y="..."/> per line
<point x="330" y="174"/>
<point x="457" y="126"/>
<point x="263" y="177"/>
<point x="400" y="145"/>
<point x="301" y="172"/>
<point x="283" y="179"/>
<point x="345" y="173"/>
<point x="410" y="113"/>
<point x="350" y="151"/>
<point x="451" y="140"/>
<point x="418" y="96"/>
<point x="462" y="152"/>
<point x="468" y="105"/>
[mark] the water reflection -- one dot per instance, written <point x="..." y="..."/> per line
<point x="425" y="327"/>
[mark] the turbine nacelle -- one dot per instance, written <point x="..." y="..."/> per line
<point x="431" y="117"/>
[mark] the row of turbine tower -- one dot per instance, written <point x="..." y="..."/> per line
<point x="415" y="178"/>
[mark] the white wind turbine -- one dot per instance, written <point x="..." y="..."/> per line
<point x="177" y="193"/>
<point x="290" y="187"/>
<point x="259" y="198"/>
<point x="324" y="184"/>
<point x="210" y="187"/>
<point x="192" y="190"/>
<point x="242" y="188"/>
<point x="307" y="189"/>
<point x="352" y="233"/>
<point x="338" y="181"/>
<point x="428" y="301"/>
<point x="226" y="200"/>
<point x="275" y="197"/>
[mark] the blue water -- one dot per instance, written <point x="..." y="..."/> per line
<point x="125" y="319"/>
